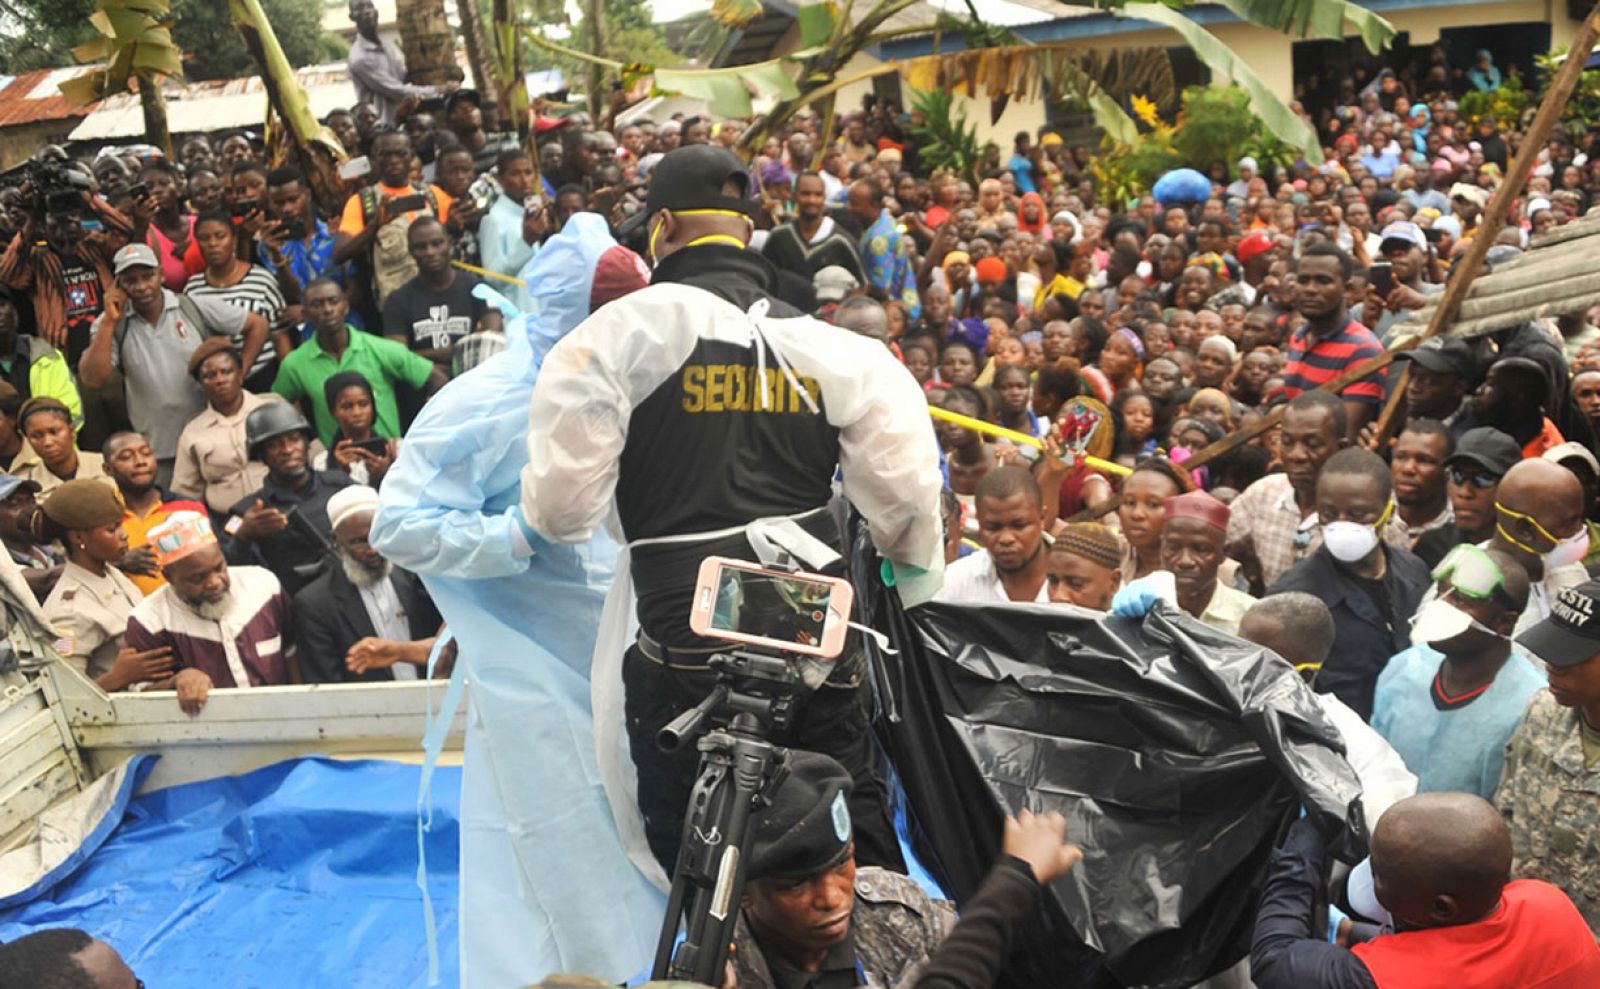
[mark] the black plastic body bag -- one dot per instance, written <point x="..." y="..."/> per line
<point x="1178" y="754"/>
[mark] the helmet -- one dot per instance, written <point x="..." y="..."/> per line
<point x="272" y="419"/>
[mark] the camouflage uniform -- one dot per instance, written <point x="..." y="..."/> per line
<point x="894" y="928"/>
<point x="1552" y="804"/>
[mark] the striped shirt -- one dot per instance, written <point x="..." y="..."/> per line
<point x="1307" y="369"/>
<point x="247" y="647"/>
<point x="256" y="292"/>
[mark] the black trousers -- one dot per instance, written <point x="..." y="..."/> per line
<point x="832" y="721"/>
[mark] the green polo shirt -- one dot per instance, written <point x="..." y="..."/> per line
<point x="382" y="362"/>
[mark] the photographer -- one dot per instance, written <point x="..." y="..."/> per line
<point x="295" y="244"/>
<point x="64" y="267"/>
<point x="697" y="417"/>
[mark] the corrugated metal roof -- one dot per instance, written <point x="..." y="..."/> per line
<point x="35" y="96"/>
<point x="208" y="106"/>
<point x="1553" y="277"/>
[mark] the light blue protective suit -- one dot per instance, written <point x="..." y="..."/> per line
<point x="545" y="884"/>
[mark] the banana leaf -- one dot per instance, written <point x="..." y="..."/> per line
<point x="727" y="92"/>
<point x="1283" y="122"/>
<point x="817" y="22"/>
<point x="1315" y="19"/>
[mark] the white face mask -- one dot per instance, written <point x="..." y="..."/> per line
<point x="1569" y="550"/>
<point x="1349" y="541"/>
<point x="1439" y="620"/>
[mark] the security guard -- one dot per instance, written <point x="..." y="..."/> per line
<point x="90" y="603"/>
<point x="694" y="414"/>
<point x="809" y="917"/>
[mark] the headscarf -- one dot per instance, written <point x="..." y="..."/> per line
<point x="1039" y="225"/>
<point x="1217" y="395"/>
<point x="774" y="173"/>
<point x="955" y="257"/>
<point x="1212" y="260"/>
<point x="1133" y="341"/>
<point x="1086" y="427"/>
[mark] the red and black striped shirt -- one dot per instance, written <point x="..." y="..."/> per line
<point x="1310" y="364"/>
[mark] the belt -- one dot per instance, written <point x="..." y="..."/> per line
<point x="695" y="660"/>
<point x="673" y="658"/>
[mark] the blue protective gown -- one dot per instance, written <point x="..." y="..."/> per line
<point x="545" y="884"/>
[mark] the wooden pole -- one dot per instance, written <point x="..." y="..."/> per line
<point x="1555" y="99"/>
<point x="1494" y="217"/>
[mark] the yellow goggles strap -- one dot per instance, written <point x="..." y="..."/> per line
<point x="709" y="238"/>
<point x="1531" y="521"/>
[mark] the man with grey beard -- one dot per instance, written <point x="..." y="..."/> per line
<point x="363" y="619"/>
<point x="225" y="627"/>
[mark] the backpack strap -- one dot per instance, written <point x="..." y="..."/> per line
<point x="369" y="204"/>
<point x="191" y="312"/>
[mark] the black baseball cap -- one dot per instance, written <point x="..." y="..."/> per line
<point x="1488" y="448"/>
<point x="470" y="95"/>
<point x="1570" y="636"/>
<point x="692" y="177"/>
<point x="1443" y="355"/>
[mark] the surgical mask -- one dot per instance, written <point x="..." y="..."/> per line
<point x="1563" y="551"/>
<point x="1439" y="620"/>
<point x="1352" y="541"/>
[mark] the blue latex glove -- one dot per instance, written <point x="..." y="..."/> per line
<point x="1335" y="918"/>
<point x="1134" y="601"/>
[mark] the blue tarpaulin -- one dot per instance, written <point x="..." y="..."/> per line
<point x="302" y="873"/>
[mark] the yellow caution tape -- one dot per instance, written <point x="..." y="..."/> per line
<point x="990" y="429"/>
<point x="486" y="273"/>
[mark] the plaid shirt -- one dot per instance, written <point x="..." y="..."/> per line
<point x="1266" y="518"/>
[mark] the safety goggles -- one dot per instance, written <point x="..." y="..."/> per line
<point x="1478" y="480"/>
<point x="1471" y="572"/>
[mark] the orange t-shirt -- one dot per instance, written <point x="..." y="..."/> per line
<point x="352" y="222"/>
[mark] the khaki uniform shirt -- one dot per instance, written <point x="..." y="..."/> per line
<point x="90" y="614"/>
<point x="29" y="466"/>
<point x="1551" y="801"/>
<point x="894" y="929"/>
<point x="213" y="462"/>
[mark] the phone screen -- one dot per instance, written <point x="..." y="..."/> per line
<point x="787" y="609"/>
<point x="405" y="204"/>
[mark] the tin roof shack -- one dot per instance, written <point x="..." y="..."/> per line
<point x="33" y="113"/>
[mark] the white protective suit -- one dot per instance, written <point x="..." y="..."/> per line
<point x="545" y="884"/>
<point x="586" y="393"/>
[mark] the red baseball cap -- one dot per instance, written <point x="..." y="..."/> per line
<point x="1252" y="245"/>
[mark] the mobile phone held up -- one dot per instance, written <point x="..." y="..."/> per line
<point x="1381" y="277"/>
<point x="377" y="446"/>
<point x="406" y="204"/>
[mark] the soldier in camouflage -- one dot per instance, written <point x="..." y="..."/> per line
<point x="810" y="919"/>
<point x="1550" y="789"/>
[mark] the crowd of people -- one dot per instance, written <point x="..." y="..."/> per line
<point x="207" y="381"/>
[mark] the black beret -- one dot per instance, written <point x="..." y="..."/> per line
<point x="807" y="828"/>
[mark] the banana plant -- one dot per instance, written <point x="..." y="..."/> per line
<point x="137" y="53"/>
<point x="314" y="148"/>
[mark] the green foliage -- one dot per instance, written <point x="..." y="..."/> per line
<point x="40" y="34"/>
<point x="50" y="29"/>
<point x="214" y="50"/>
<point x="630" y="37"/>
<point x="1215" y="124"/>
<point x="944" y="138"/>
<point x="1505" y="105"/>
<point x="1583" y="109"/>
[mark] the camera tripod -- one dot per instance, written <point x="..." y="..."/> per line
<point x="739" y="772"/>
